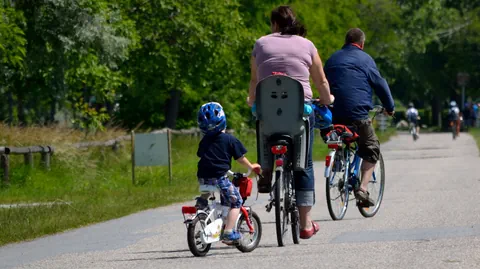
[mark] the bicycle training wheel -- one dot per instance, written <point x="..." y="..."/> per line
<point x="249" y="241"/>
<point x="376" y="187"/>
<point x="195" y="244"/>
<point x="337" y="189"/>
<point x="292" y="208"/>
<point x="281" y="216"/>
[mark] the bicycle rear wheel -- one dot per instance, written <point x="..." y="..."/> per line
<point x="291" y="207"/>
<point x="194" y="230"/>
<point x="376" y="187"/>
<point x="281" y="215"/>
<point x="413" y="131"/>
<point x="337" y="188"/>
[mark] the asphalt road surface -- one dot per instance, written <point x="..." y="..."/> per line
<point x="430" y="218"/>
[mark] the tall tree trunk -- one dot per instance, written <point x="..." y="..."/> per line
<point x="436" y="111"/>
<point x="53" y="110"/>
<point x="21" y="110"/>
<point x="173" y="104"/>
<point x="10" y="107"/>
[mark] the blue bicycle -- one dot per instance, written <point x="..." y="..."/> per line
<point x="342" y="173"/>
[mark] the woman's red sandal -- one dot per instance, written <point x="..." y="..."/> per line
<point x="306" y="234"/>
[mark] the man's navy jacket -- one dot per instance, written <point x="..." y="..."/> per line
<point x="352" y="74"/>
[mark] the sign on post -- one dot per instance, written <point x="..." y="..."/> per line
<point x="151" y="150"/>
<point x="462" y="80"/>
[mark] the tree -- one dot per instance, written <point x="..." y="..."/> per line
<point x="191" y="53"/>
<point x="12" y="53"/>
<point x="72" y="43"/>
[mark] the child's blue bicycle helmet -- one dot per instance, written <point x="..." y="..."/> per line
<point x="211" y="118"/>
<point x="323" y="116"/>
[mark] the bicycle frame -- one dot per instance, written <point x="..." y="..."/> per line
<point x="352" y="168"/>
<point x="280" y="152"/>
<point x="211" y="232"/>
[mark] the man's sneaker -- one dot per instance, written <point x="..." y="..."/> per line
<point x="201" y="203"/>
<point x="363" y="198"/>
<point x="231" y="238"/>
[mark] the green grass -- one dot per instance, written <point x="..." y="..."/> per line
<point x="386" y="135"/>
<point x="98" y="184"/>
<point x="475" y="132"/>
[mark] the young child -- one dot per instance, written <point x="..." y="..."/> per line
<point x="216" y="150"/>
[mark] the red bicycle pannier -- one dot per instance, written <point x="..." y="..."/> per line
<point x="244" y="185"/>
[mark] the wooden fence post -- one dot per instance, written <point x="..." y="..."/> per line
<point x="46" y="160"/>
<point x="28" y="158"/>
<point x="4" y="163"/>
<point x="133" y="156"/>
<point x="169" y="138"/>
<point x="116" y="146"/>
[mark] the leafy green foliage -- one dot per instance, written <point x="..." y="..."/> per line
<point x="163" y="58"/>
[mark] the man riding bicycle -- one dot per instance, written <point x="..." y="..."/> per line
<point x="352" y="74"/>
<point x="454" y="116"/>
<point x="412" y="117"/>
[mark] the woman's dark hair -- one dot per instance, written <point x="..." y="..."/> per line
<point x="284" y="17"/>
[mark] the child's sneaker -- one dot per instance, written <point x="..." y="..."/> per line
<point x="231" y="238"/>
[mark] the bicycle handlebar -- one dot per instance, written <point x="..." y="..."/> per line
<point x="378" y="109"/>
<point x="231" y="173"/>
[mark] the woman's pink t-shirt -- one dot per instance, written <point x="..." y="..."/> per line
<point x="290" y="54"/>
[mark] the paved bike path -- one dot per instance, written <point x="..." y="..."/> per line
<point x="429" y="218"/>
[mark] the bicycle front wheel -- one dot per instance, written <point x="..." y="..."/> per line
<point x="249" y="241"/>
<point x="281" y="216"/>
<point x="337" y="189"/>
<point x="376" y="187"/>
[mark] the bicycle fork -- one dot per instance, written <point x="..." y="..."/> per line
<point x="246" y="213"/>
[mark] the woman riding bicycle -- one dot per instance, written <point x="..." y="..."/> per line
<point x="287" y="51"/>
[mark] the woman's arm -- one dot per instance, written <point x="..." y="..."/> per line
<point x="318" y="76"/>
<point x="253" y="82"/>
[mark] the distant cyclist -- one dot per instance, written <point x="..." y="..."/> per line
<point x="412" y="117"/>
<point x="454" y="116"/>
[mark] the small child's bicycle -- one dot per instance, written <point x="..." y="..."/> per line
<point x="205" y="226"/>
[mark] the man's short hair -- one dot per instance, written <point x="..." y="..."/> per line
<point x="355" y="35"/>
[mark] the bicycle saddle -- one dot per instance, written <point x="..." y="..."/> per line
<point x="280" y="140"/>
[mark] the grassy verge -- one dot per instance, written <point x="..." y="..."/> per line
<point x="475" y="132"/>
<point x="97" y="182"/>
